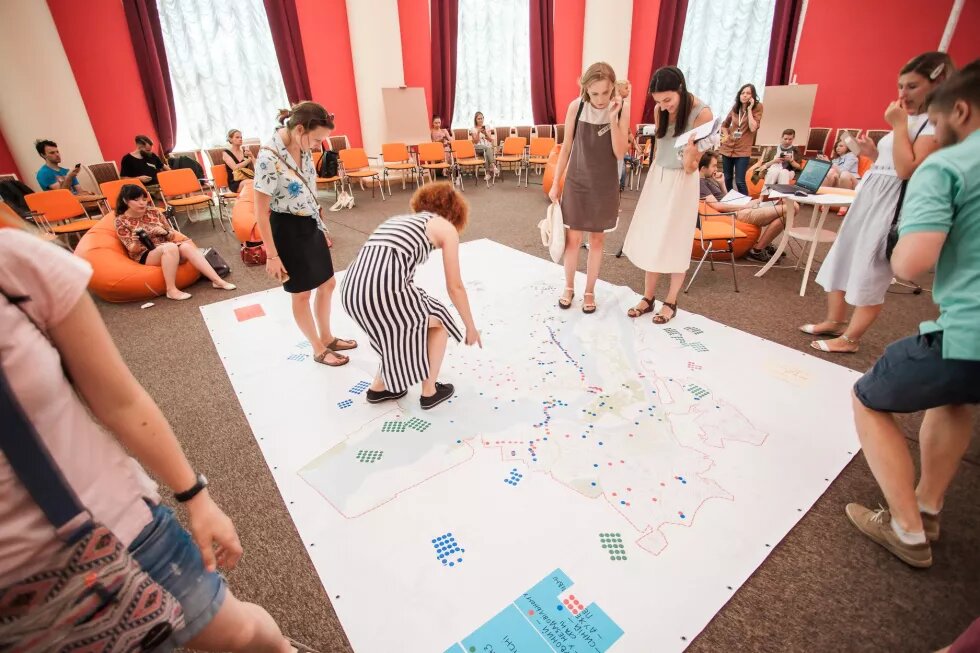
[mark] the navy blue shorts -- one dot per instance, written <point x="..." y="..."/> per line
<point x="168" y="554"/>
<point x="912" y="375"/>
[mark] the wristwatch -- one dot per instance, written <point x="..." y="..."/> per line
<point x="187" y="495"/>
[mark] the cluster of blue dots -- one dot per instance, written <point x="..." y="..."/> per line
<point x="346" y="403"/>
<point x="447" y="548"/>
<point x="303" y="344"/>
<point x="393" y="427"/>
<point x="515" y="477"/>
<point x="554" y="340"/>
<point x="548" y="406"/>
<point x="696" y="331"/>
<point x="369" y="455"/>
<point x="418" y="424"/>
<point x="697" y="346"/>
<point x="297" y="357"/>
<point x="681" y="479"/>
<point x="360" y="387"/>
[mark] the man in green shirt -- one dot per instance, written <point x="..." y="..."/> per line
<point x="939" y="370"/>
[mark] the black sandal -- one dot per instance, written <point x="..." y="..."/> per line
<point x="588" y="308"/>
<point x="636" y="312"/>
<point x="660" y="319"/>
<point x="563" y="303"/>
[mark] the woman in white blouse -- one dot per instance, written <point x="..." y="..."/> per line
<point x="484" y="147"/>
<point x="289" y="219"/>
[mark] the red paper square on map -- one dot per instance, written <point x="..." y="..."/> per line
<point x="248" y="312"/>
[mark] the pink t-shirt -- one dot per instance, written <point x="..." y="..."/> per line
<point x="109" y="483"/>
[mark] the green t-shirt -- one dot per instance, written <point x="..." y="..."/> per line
<point x="944" y="196"/>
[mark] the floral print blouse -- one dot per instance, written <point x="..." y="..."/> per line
<point x="279" y="180"/>
<point x="155" y="226"/>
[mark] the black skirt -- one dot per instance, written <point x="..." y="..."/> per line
<point x="303" y="250"/>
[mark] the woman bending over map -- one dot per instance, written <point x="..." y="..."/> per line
<point x="408" y="329"/>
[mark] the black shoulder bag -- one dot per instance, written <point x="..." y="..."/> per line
<point x="892" y="238"/>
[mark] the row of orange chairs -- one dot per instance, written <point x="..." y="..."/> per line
<point x="431" y="158"/>
<point x="60" y="213"/>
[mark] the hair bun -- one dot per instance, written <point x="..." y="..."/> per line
<point x="283" y="115"/>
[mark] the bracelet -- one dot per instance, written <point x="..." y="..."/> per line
<point x="272" y="257"/>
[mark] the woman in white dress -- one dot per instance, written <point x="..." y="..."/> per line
<point x="660" y="235"/>
<point x="856" y="271"/>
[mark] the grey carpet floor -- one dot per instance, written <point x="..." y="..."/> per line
<point x="823" y="588"/>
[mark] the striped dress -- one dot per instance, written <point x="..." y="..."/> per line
<point x="380" y="295"/>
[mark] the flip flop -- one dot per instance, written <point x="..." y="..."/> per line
<point x="821" y="345"/>
<point x="812" y="330"/>
<point x="338" y="344"/>
<point x="322" y="359"/>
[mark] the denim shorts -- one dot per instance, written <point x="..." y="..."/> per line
<point x="171" y="558"/>
<point x="912" y="375"/>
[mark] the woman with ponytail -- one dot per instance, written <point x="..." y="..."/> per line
<point x="290" y="221"/>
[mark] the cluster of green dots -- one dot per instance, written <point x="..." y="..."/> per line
<point x="697" y="391"/>
<point x="369" y="455"/>
<point x="418" y="424"/>
<point x="613" y="543"/>
<point x="393" y="427"/>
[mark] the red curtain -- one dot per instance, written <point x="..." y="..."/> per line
<point x="284" y="23"/>
<point x="785" y="23"/>
<point x="445" y="26"/>
<point x="542" y="28"/>
<point x="151" y="58"/>
<point x="667" y="46"/>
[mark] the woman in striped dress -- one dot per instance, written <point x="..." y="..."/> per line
<point x="407" y="328"/>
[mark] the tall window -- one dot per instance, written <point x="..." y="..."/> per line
<point x="725" y="45"/>
<point x="223" y="69"/>
<point x="493" y="66"/>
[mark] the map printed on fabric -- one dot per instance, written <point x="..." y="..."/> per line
<point x="548" y="618"/>
<point x="657" y="466"/>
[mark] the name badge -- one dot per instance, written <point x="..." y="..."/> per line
<point x="604" y="130"/>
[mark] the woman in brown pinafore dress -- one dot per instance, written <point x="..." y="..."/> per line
<point x="596" y="128"/>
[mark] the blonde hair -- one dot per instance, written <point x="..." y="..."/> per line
<point x="596" y="73"/>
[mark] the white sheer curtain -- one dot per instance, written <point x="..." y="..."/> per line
<point x="493" y="66"/>
<point x="725" y="45"/>
<point x="223" y="69"/>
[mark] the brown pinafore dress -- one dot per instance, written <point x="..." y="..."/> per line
<point x="590" y="199"/>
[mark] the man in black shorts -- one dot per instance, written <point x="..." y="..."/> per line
<point x="937" y="371"/>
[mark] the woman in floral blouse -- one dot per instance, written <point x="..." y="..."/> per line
<point x="135" y="218"/>
<point x="289" y="219"/>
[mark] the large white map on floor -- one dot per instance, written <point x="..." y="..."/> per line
<point x="655" y="465"/>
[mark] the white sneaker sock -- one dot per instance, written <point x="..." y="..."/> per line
<point x="906" y="537"/>
<point x="928" y="511"/>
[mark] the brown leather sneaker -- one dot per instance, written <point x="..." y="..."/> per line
<point x="876" y="524"/>
<point x="930" y="523"/>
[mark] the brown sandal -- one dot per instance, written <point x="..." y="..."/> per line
<point x="588" y="308"/>
<point x="660" y="319"/>
<point x="322" y="359"/>
<point x="637" y="312"/>
<point x="563" y="303"/>
<point x="339" y="344"/>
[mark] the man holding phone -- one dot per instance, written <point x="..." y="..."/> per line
<point x="52" y="176"/>
<point x="783" y="165"/>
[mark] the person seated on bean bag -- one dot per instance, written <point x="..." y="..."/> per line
<point x="138" y="226"/>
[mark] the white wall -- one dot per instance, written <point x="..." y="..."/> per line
<point x="39" y="96"/>
<point x="376" y="51"/>
<point x="607" y="34"/>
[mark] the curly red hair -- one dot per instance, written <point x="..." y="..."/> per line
<point x="443" y="200"/>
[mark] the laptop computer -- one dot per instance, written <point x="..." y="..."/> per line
<point x="807" y="181"/>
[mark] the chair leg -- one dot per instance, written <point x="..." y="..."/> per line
<point x="731" y="254"/>
<point x="707" y="252"/>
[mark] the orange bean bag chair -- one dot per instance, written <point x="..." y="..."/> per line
<point x="243" y="213"/>
<point x="118" y="278"/>
<point x="722" y="224"/>
<point x="549" y="172"/>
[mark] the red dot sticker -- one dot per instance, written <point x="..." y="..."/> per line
<point x="530" y="613"/>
